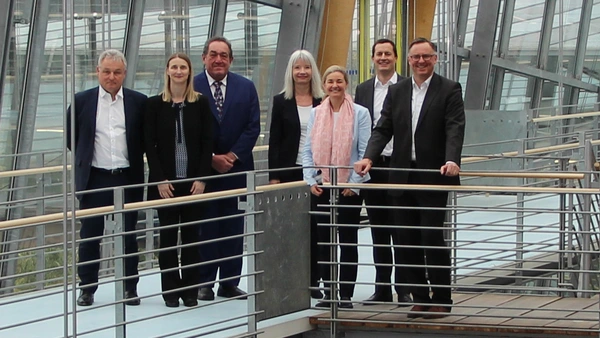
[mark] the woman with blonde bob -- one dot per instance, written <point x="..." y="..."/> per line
<point x="291" y="109"/>
<point x="178" y="138"/>
<point x="337" y="135"/>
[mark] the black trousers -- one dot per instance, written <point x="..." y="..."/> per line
<point x="229" y="267"/>
<point x="382" y="256"/>
<point x="167" y="258"/>
<point x="437" y="257"/>
<point x="347" y="235"/>
<point x="94" y="227"/>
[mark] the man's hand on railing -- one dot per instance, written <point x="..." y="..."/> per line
<point x="363" y="166"/>
<point x="274" y="181"/>
<point x="450" y="169"/>
<point x="197" y="187"/>
<point x="165" y="190"/>
<point x="222" y="163"/>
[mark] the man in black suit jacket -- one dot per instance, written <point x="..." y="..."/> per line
<point x="371" y="94"/>
<point x="425" y="115"/>
<point x="108" y="153"/>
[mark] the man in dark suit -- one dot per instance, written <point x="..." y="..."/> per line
<point x="108" y="153"/>
<point x="425" y="115"/>
<point x="371" y="94"/>
<point x="236" y="125"/>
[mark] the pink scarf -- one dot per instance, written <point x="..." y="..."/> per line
<point x="329" y="146"/>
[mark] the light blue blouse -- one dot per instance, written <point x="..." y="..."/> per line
<point x="360" y="138"/>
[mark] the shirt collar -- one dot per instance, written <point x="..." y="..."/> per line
<point x="211" y="80"/>
<point x="392" y="80"/>
<point x="103" y="92"/>
<point x="424" y="85"/>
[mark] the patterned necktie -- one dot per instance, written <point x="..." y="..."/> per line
<point x="218" y="99"/>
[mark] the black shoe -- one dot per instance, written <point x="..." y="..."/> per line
<point x="404" y="299"/>
<point x="131" y="298"/>
<point x="206" y="294"/>
<point x="189" y="302"/>
<point x="325" y="302"/>
<point x="230" y="292"/>
<point x="85" y="298"/>
<point x="345" y="303"/>
<point x="316" y="294"/>
<point x="172" y="303"/>
<point x="379" y="297"/>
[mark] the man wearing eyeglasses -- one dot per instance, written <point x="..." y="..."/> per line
<point x="234" y="104"/>
<point x="425" y="115"/>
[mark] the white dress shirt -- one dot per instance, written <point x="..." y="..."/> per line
<point x="110" y="140"/>
<point x="379" y="94"/>
<point x="304" y="115"/>
<point x="212" y="88"/>
<point x="418" y="96"/>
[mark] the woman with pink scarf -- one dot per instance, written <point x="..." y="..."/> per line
<point x="337" y="134"/>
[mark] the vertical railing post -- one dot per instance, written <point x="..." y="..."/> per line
<point x="585" y="262"/>
<point x="333" y="286"/>
<point x="562" y="183"/>
<point x="454" y="204"/>
<point x="149" y="238"/>
<point x="251" y="249"/>
<point x="117" y="227"/>
<point x="520" y="221"/>
<point x="40" y="230"/>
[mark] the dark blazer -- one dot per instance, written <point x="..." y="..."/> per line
<point x="86" y="104"/>
<point x="284" y="135"/>
<point x="159" y="136"/>
<point x="365" y="94"/>
<point x="239" y="129"/>
<point x="439" y="134"/>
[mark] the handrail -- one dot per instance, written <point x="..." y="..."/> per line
<point x="140" y="205"/>
<point x="564" y="117"/>
<point x="470" y="159"/>
<point x="34" y="220"/>
<point x="531" y="151"/>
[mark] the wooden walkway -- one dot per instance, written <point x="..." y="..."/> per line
<point x="491" y="313"/>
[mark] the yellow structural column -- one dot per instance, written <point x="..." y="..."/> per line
<point x="420" y="18"/>
<point x="335" y="33"/>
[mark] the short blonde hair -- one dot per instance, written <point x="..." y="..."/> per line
<point x="333" y="69"/>
<point x="190" y="94"/>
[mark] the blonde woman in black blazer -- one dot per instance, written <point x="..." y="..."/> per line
<point x="291" y="110"/>
<point x="178" y="136"/>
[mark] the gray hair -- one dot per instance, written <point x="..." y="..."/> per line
<point x="315" y="82"/>
<point x="112" y="54"/>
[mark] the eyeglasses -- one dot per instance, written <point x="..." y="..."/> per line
<point x="426" y="57"/>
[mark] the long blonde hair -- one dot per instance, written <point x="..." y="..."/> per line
<point x="190" y="94"/>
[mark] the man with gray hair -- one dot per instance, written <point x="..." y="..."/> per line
<point x="108" y="146"/>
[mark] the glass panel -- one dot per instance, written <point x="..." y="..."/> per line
<point x="515" y="95"/>
<point x="163" y="33"/>
<point x="471" y="24"/>
<point x="253" y="30"/>
<point x="353" y="62"/>
<point x="13" y="83"/>
<point x="564" y="36"/>
<point x="591" y="62"/>
<point x="95" y="29"/>
<point x="525" y="31"/>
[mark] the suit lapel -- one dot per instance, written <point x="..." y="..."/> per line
<point x="430" y="96"/>
<point x="205" y="88"/>
<point x="370" y="95"/>
<point x="229" y="94"/>
<point x="92" y="108"/>
<point x="128" y="110"/>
